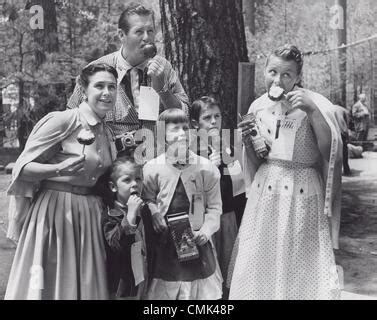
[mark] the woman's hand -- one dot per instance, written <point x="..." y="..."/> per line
<point x="246" y="126"/>
<point x="200" y="238"/>
<point x="299" y="99"/>
<point x="71" y="166"/>
<point x="159" y="223"/>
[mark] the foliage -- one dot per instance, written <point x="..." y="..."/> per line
<point x="307" y="25"/>
<point x="86" y="30"/>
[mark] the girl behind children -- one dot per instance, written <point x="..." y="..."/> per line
<point x="206" y="115"/>
<point x="127" y="229"/>
<point x="184" y="183"/>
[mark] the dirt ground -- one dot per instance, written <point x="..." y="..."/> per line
<point x="358" y="234"/>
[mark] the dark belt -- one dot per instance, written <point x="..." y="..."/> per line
<point x="66" y="187"/>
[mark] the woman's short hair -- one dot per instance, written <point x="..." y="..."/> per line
<point x="92" y="69"/>
<point x="289" y="52"/>
<point x="199" y="105"/>
<point x="131" y="9"/>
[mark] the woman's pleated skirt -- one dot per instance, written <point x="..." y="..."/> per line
<point x="60" y="253"/>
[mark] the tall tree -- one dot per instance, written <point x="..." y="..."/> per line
<point x="342" y="53"/>
<point x="205" y="41"/>
<point x="249" y="12"/>
<point x="46" y="39"/>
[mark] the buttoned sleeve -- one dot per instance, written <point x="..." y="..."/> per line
<point x="118" y="233"/>
<point x="212" y="193"/>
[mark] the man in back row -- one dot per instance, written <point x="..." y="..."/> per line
<point x="361" y="115"/>
<point x="136" y="30"/>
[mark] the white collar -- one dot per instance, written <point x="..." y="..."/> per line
<point x="124" y="64"/>
<point x="90" y="116"/>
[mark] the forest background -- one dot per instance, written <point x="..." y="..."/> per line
<point x="205" y="40"/>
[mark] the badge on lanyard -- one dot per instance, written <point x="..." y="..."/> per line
<point x="285" y="136"/>
<point x="149" y="104"/>
<point x="137" y="262"/>
<point x="236" y="175"/>
<point x="197" y="209"/>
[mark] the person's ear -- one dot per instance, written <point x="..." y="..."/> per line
<point x="113" y="187"/>
<point x="84" y="95"/>
<point x="121" y="34"/>
<point x="299" y="78"/>
<point x="83" y="91"/>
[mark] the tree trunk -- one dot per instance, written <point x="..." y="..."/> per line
<point x="249" y="12"/>
<point x="342" y="54"/>
<point x="23" y="130"/>
<point x="2" y="126"/>
<point x="373" y="91"/>
<point x="205" y="40"/>
<point x="46" y="39"/>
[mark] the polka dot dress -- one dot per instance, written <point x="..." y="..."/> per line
<point x="283" y="249"/>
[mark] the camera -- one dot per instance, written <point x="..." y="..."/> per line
<point x="126" y="142"/>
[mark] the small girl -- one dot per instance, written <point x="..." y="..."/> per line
<point x="206" y="115"/>
<point x="186" y="184"/>
<point x="127" y="229"/>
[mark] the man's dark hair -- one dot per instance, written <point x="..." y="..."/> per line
<point x="132" y="9"/>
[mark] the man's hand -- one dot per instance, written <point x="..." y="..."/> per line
<point x="159" y="223"/>
<point x="156" y="68"/>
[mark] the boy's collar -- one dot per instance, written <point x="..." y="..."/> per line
<point x="119" y="209"/>
<point x="121" y="205"/>
<point x="172" y="159"/>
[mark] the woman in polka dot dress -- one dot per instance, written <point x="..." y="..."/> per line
<point x="284" y="248"/>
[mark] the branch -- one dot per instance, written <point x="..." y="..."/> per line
<point x="342" y="46"/>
